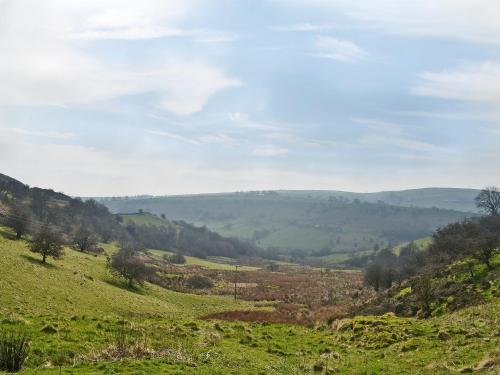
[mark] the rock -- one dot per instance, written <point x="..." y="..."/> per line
<point x="48" y="329"/>
<point x="442" y="335"/>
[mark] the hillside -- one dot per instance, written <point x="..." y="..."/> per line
<point x="81" y="320"/>
<point x="81" y="223"/>
<point x="80" y="284"/>
<point x="297" y="220"/>
<point x="445" y="198"/>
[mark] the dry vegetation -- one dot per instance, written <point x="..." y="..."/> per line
<point x="300" y="296"/>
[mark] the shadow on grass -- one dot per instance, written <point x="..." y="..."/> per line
<point x="37" y="261"/>
<point x="123" y="284"/>
<point x="7" y="234"/>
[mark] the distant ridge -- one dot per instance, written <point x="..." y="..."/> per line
<point x="459" y="199"/>
<point x="311" y="220"/>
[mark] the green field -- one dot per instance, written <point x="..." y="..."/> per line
<point x="421" y="244"/>
<point x="206" y="263"/>
<point x="81" y="320"/>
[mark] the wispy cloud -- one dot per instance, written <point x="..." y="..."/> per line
<point x="309" y="27"/>
<point x="472" y="82"/>
<point x="393" y="134"/>
<point x="486" y="115"/>
<point x="404" y="143"/>
<point x="292" y="139"/>
<point x="170" y="135"/>
<point x="218" y="138"/>
<point x="469" y="20"/>
<point x="270" y="151"/>
<point x="243" y="120"/>
<point x="384" y="126"/>
<point x="338" y="49"/>
<point x="34" y="133"/>
<point x="197" y="139"/>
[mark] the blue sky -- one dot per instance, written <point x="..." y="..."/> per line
<point x="186" y="96"/>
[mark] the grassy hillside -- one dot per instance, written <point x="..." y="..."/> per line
<point x="421" y="244"/>
<point x="296" y="220"/>
<point x="82" y="321"/>
<point x="80" y="282"/>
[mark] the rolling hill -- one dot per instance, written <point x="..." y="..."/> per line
<point x="299" y="220"/>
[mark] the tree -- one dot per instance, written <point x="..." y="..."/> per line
<point x="48" y="243"/>
<point x="452" y="242"/>
<point x="485" y="247"/>
<point x="373" y="276"/>
<point x="199" y="282"/>
<point x="424" y="294"/>
<point x="85" y="239"/>
<point x="176" y="258"/>
<point x="488" y="200"/>
<point x="273" y="267"/>
<point x="18" y="219"/>
<point x="163" y="216"/>
<point x="127" y="264"/>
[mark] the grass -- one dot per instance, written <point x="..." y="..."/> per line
<point x="77" y="317"/>
<point x="80" y="282"/>
<point x="206" y="263"/>
<point x="363" y="345"/>
<point x="421" y="244"/>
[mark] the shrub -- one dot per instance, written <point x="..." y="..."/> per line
<point x="14" y="349"/>
<point x="176" y="258"/>
<point x="199" y="282"/>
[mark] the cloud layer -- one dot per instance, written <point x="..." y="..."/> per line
<point x="45" y="63"/>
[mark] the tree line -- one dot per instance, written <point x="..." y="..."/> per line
<point x="469" y="243"/>
<point x="48" y="216"/>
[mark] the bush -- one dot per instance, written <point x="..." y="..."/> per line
<point x="199" y="282"/>
<point x="176" y="258"/>
<point x="14" y="349"/>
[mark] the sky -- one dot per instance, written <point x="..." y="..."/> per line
<point x="123" y="97"/>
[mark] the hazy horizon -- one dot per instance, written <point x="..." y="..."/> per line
<point x="249" y="191"/>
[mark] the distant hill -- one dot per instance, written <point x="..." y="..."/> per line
<point x="446" y="198"/>
<point x="313" y="221"/>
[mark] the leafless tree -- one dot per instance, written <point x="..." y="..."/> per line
<point x="488" y="200"/>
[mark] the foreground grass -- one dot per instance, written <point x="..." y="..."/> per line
<point x="461" y="342"/>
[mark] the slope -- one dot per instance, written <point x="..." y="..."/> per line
<point x="80" y="283"/>
<point x="294" y="221"/>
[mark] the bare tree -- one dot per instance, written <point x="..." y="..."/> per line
<point x="488" y="200"/>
